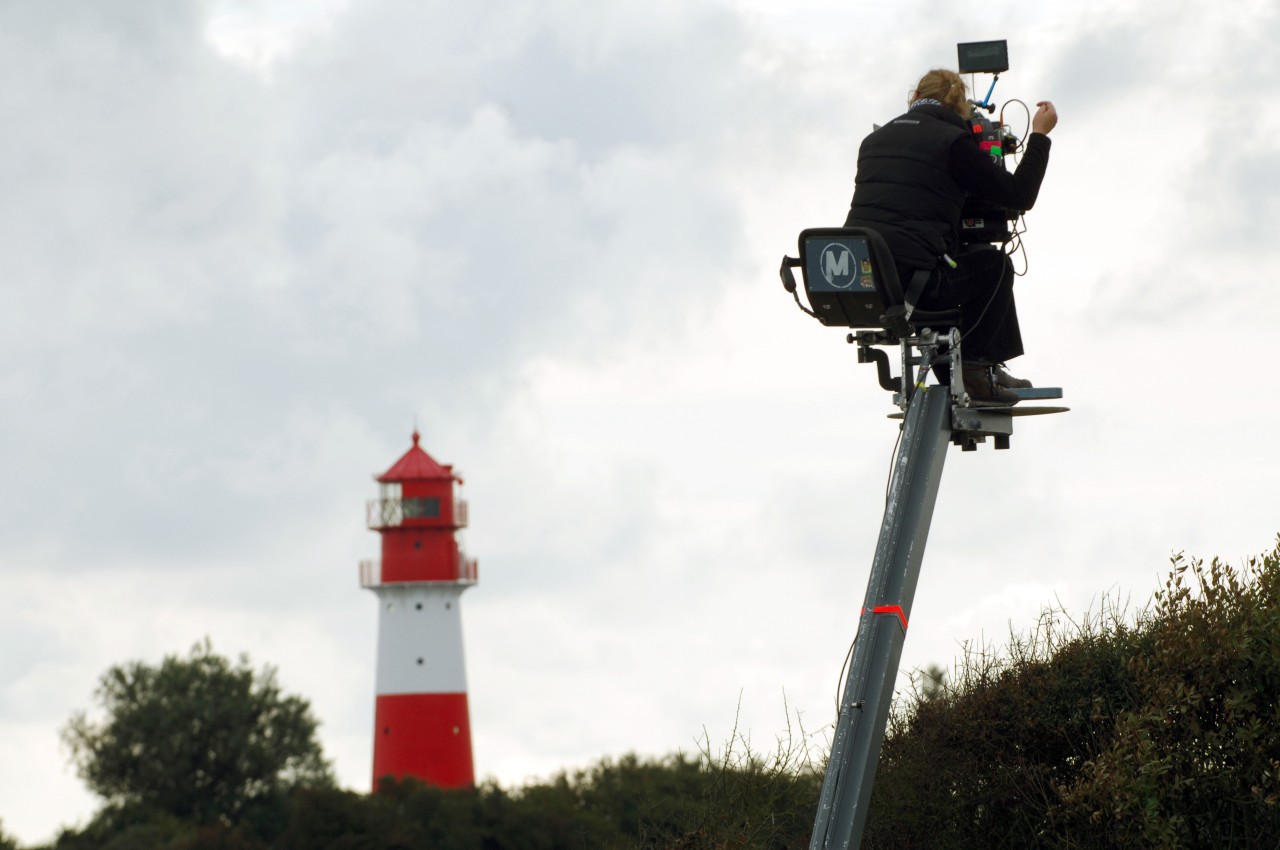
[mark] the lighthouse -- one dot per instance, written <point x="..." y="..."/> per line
<point x="421" y="721"/>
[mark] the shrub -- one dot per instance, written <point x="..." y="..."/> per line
<point x="197" y="737"/>
<point x="1196" y="763"/>
<point x="1158" y="731"/>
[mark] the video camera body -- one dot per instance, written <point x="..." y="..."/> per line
<point x="983" y="221"/>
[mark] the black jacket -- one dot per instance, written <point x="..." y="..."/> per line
<point x="915" y="172"/>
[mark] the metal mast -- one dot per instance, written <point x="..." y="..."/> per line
<point x="882" y="627"/>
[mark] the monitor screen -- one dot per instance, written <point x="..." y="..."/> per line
<point x="983" y="57"/>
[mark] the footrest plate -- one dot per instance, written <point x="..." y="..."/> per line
<point x="1038" y="393"/>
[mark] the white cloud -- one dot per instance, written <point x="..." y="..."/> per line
<point x="246" y="245"/>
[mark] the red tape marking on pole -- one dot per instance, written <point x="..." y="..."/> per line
<point x="890" y="609"/>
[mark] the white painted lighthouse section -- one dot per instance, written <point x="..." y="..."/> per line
<point x="420" y="639"/>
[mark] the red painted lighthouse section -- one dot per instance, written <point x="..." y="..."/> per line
<point x="422" y="726"/>
<point x="426" y="729"/>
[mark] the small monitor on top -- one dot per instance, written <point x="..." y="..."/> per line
<point x="983" y="57"/>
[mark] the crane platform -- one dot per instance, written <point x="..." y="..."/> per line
<point x="851" y="282"/>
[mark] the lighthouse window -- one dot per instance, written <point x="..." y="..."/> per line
<point x="421" y="508"/>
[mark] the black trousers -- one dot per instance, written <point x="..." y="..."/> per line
<point x="981" y="285"/>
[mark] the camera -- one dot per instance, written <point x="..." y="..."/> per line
<point x="983" y="221"/>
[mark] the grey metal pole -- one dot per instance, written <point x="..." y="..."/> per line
<point x="882" y="627"/>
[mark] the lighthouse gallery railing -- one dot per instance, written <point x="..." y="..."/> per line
<point x="467" y="570"/>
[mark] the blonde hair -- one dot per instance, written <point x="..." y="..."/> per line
<point x="947" y="88"/>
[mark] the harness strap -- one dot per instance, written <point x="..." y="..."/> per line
<point x="914" y="290"/>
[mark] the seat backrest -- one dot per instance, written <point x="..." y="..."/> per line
<point x="849" y="275"/>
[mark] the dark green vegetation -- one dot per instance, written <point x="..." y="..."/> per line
<point x="1156" y="730"/>
<point x="732" y="802"/>
<point x="195" y="737"/>
<point x="1160" y="730"/>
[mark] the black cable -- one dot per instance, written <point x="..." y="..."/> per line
<point x="1018" y="155"/>
<point x="893" y="460"/>
<point x="840" y="680"/>
<point x="1019" y="247"/>
<point x="796" y="295"/>
<point x="1020" y="226"/>
<point x="990" y="299"/>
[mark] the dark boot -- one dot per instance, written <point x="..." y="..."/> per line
<point x="980" y="384"/>
<point x="1004" y="379"/>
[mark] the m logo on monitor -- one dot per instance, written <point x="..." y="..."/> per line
<point x="838" y="265"/>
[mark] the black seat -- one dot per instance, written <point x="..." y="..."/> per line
<point x="852" y="281"/>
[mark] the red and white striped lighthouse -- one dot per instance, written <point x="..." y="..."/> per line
<point x="421" y="722"/>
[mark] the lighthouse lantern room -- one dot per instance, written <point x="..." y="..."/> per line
<point x="421" y="718"/>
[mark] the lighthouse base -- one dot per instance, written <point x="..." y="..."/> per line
<point x="426" y="736"/>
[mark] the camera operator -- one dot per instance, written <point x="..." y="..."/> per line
<point x="913" y="176"/>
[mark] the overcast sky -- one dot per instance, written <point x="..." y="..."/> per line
<point x="245" y="246"/>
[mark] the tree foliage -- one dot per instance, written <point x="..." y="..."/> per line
<point x="1196" y="761"/>
<point x="1156" y="731"/>
<point x="1159" y="729"/>
<point x="734" y="800"/>
<point x="976" y="762"/>
<point x="195" y="737"/>
<point x="713" y="802"/>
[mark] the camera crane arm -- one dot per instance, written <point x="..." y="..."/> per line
<point x="850" y="280"/>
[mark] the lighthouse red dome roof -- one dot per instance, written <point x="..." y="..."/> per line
<point x="417" y="465"/>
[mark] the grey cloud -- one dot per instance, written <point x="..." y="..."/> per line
<point x="224" y="296"/>
<point x="1101" y="65"/>
<point x="199" y="257"/>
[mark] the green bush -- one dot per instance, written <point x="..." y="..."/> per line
<point x="139" y="827"/>
<point x="1158" y="730"/>
<point x="978" y="763"/>
<point x="6" y="843"/>
<point x="733" y="800"/>
<point x="197" y="737"/>
<point x="1196" y="763"/>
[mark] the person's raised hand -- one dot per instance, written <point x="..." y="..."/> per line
<point x="1045" y="119"/>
